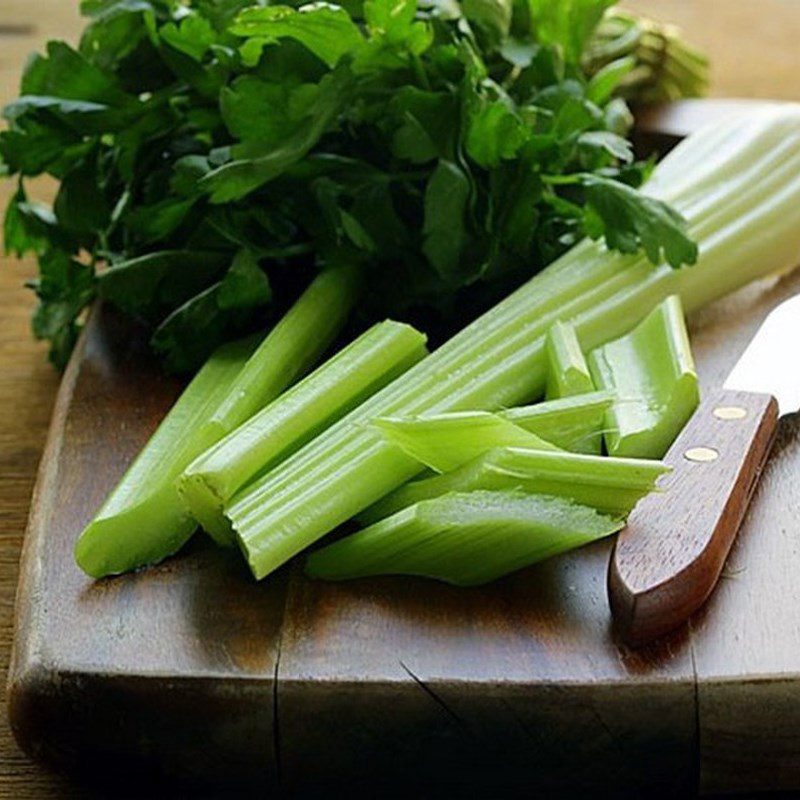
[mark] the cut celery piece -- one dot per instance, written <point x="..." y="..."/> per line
<point x="652" y="373"/>
<point x="143" y="519"/>
<point x="567" y="370"/>
<point x="376" y="358"/>
<point x="464" y="538"/>
<point x="609" y="485"/>
<point x="738" y="185"/>
<point x="571" y="423"/>
<point x="446" y="441"/>
<point x="292" y="347"/>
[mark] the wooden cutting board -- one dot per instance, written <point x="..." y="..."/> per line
<point x="395" y="685"/>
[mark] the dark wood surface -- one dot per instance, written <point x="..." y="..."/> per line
<point x="668" y="559"/>
<point x="746" y="637"/>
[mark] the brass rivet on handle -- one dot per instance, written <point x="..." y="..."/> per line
<point x="730" y="412"/>
<point x="701" y="454"/>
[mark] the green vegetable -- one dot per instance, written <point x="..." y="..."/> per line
<point x="571" y="423"/>
<point x="651" y="371"/>
<point x="378" y="356"/>
<point x="451" y="150"/>
<point x="291" y="348"/>
<point x="567" y="370"/>
<point x="446" y="441"/>
<point x="643" y="59"/>
<point x="464" y="539"/>
<point x="143" y="519"/>
<point x="738" y="184"/>
<point x="610" y="485"/>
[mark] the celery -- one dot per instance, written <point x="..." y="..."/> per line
<point x="464" y="539"/>
<point x="571" y="423"/>
<point x="446" y="441"/>
<point x="609" y="485"/>
<point x="370" y="362"/>
<point x="567" y="371"/>
<point x="292" y="347"/>
<point x="143" y="519"/>
<point x="651" y="370"/>
<point x="737" y="184"/>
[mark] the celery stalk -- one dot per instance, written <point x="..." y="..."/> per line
<point x="292" y="347"/>
<point x="567" y="370"/>
<point x="609" y="485"/>
<point x="373" y="360"/>
<point x="446" y="441"/>
<point x="465" y="539"/>
<point x="652" y="373"/>
<point x="143" y="519"/>
<point x="738" y="185"/>
<point x="571" y="423"/>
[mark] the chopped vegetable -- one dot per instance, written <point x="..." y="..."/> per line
<point x="143" y="519"/>
<point x="446" y="441"/>
<point x="610" y="485"/>
<point x="737" y="183"/>
<point x="567" y="370"/>
<point x="571" y="423"/>
<point x="291" y="348"/>
<point x="651" y="371"/>
<point x="210" y="151"/>
<point x="465" y="539"/>
<point x="374" y="359"/>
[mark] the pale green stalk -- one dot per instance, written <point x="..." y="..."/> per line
<point x="366" y="365"/>
<point x="567" y="370"/>
<point x="571" y="423"/>
<point x="651" y="372"/>
<point x="609" y="485"/>
<point x="143" y="519"/>
<point x="446" y="441"/>
<point x="292" y="347"/>
<point x="738" y="185"/>
<point x="464" y="539"/>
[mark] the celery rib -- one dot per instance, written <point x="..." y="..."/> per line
<point x="750" y="229"/>
<point x="464" y="538"/>
<point x="609" y="485"/>
<point x="143" y="519"/>
<point x="567" y="370"/>
<point x="571" y="423"/>
<point x="651" y="372"/>
<point x="366" y="365"/>
<point x="292" y="347"/>
<point x="446" y="441"/>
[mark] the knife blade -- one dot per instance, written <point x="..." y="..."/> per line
<point x="668" y="559"/>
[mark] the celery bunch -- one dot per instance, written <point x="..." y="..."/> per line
<point x="738" y="186"/>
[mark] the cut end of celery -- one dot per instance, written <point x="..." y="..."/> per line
<point x="204" y="504"/>
<point x="464" y="538"/>
<point x="135" y="538"/>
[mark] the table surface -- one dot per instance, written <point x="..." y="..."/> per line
<point x="753" y="47"/>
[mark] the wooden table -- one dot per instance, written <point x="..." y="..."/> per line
<point x="753" y="47"/>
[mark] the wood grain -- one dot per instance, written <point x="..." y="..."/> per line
<point x="668" y="559"/>
<point x="754" y="49"/>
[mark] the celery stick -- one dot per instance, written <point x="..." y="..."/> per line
<point x="571" y="423"/>
<point x="609" y="485"/>
<point x="737" y="184"/>
<point x="652" y="372"/>
<point x="292" y="347"/>
<point x="567" y="371"/>
<point x="369" y="363"/>
<point x="465" y="539"/>
<point x="143" y="519"/>
<point x="446" y="441"/>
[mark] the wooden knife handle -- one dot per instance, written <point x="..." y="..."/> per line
<point x="668" y="559"/>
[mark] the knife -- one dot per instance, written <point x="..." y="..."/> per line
<point x="669" y="557"/>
